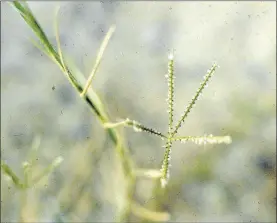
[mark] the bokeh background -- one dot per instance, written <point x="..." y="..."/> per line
<point x="224" y="183"/>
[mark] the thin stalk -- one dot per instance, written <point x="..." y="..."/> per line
<point x="90" y="97"/>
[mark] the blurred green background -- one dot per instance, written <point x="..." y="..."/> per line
<point x="230" y="183"/>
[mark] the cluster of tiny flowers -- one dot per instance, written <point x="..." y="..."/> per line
<point x="166" y="165"/>
<point x="207" y="139"/>
<point x="139" y="128"/>
<point x="209" y="74"/>
<point x="170" y="77"/>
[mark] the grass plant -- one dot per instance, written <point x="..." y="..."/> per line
<point x="84" y="87"/>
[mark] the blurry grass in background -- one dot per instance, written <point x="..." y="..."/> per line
<point x="236" y="183"/>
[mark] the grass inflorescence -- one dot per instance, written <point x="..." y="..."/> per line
<point x="86" y="92"/>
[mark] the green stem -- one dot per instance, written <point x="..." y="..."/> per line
<point x="90" y="98"/>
